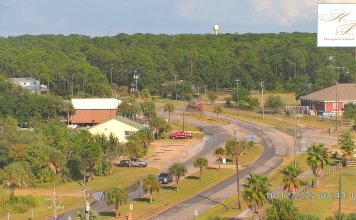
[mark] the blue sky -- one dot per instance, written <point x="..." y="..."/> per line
<point x="96" y="17"/>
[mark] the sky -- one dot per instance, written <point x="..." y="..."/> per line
<point x="97" y="17"/>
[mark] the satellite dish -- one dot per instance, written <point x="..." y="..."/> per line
<point x="216" y="29"/>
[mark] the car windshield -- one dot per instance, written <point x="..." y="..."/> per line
<point x="163" y="175"/>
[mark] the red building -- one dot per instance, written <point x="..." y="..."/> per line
<point x="94" y="111"/>
<point x="325" y="100"/>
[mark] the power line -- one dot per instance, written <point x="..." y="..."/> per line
<point x="54" y="201"/>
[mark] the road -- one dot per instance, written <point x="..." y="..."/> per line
<point x="275" y="147"/>
<point x="220" y="136"/>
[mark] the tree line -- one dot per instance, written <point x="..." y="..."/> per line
<point x="78" y="65"/>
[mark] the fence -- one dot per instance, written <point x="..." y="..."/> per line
<point x="310" y="185"/>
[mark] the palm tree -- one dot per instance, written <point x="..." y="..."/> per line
<point x="170" y="108"/>
<point x="151" y="184"/>
<point x="219" y="153"/>
<point x="117" y="196"/>
<point x="255" y="191"/>
<point x="201" y="162"/>
<point x="80" y="215"/>
<point x="344" y="216"/>
<point x="69" y="108"/>
<point x="290" y="181"/>
<point x="217" y="110"/>
<point x="230" y="149"/>
<point x="317" y="159"/>
<point x="347" y="143"/>
<point x="282" y="209"/>
<point x="145" y="94"/>
<point x="178" y="170"/>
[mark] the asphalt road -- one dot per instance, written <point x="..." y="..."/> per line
<point x="220" y="136"/>
<point x="275" y="147"/>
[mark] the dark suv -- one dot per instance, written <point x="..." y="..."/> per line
<point x="165" y="177"/>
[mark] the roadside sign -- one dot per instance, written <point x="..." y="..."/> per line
<point x="131" y="207"/>
<point x="284" y="158"/>
<point x="196" y="212"/>
<point x="178" y="116"/>
<point x="329" y="155"/>
<point x="252" y="137"/>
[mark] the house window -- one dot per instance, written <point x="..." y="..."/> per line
<point x="334" y="105"/>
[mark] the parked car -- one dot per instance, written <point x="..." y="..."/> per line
<point x="181" y="135"/>
<point x="134" y="163"/>
<point x="165" y="177"/>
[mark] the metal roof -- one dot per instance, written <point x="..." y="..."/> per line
<point x="346" y="92"/>
<point x="24" y="79"/>
<point x="98" y="103"/>
<point x="129" y="122"/>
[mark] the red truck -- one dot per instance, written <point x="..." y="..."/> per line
<point x="181" y="135"/>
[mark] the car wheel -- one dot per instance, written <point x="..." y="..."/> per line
<point x="188" y="137"/>
<point x="173" y="137"/>
<point x="141" y="165"/>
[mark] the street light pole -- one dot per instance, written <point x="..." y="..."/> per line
<point x="237" y="172"/>
<point x="341" y="174"/>
<point x="87" y="210"/>
<point x="237" y="95"/>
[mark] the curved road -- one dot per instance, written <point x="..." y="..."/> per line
<point x="275" y="147"/>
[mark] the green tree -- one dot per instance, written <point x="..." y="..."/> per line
<point x="230" y="149"/>
<point x="317" y="159"/>
<point x="219" y="153"/>
<point x="255" y="192"/>
<point x="349" y="111"/>
<point x="178" y="170"/>
<point x="217" y="110"/>
<point x="306" y="217"/>
<point x="151" y="184"/>
<point x="212" y="97"/>
<point x="347" y="143"/>
<point x="145" y="94"/>
<point x="80" y="215"/>
<point x="19" y="174"/>
<point x="117" y="196"/>
<point x="344" y="216"/>
<point x="170" y="107"/>
<point x="201" y="163"/>
<point x="282" y="209"/>
<point x="290" y="181"/>
<point x="149" y="109"/>
<point x="274" y="103"/>
<point x="132" y="149"/>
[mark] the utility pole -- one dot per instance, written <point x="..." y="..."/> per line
<point x="337" y="107"/>
<point x="111" y="73"/>
<point x="295" y="139"/>
<point x="237" y="95"/>
<point x="237" y="173"/>
<point x="85" y="197"/>
<point x="263" y="113"/>
<point x="54" y="201"/>
<point x="175" y="86"/>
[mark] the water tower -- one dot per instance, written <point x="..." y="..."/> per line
<point x="216" y="29"/>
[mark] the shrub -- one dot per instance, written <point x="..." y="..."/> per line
<point x="164" y="135"/>
<point x="4" y="195"/>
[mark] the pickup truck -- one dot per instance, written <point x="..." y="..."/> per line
<point x="134" y="163"/>
<point x="181" y="135"/>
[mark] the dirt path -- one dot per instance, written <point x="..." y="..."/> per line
<point x="167" y="152"/>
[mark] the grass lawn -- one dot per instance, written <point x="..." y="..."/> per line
<point x="325" y="207"/>
<point x="178" y="126"/>
<point x="252" y="117"/>
<point x="207" y="119"/>
<point x="42" y="211"/>
<point x="287" y="98"/>
<point x="103" y="183"/>
<point x="250" y="156"/>
<point x="168" y="197"/>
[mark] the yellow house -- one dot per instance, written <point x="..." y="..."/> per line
<point x="120" y="126"/>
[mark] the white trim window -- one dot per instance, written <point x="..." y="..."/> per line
<point x="334" y="105"/>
